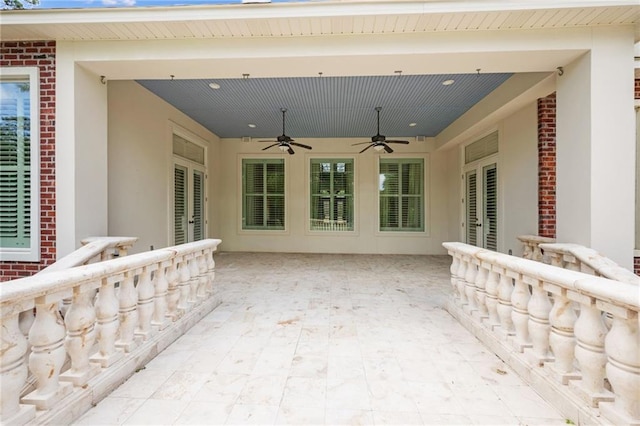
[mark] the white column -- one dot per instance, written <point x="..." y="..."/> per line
<point x="81" y="152"/>
<point x="596" y="147"/>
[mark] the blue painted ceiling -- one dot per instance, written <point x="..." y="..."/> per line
<point x="327" y="107"/>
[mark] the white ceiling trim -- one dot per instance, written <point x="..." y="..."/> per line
<point x="310" y="18"/>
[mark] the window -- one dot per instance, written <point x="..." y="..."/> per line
<point x="331" y="195"/>
<point x="263" y="194"/>
<point x="401" y="190"/>
<point x="19" y="164"/>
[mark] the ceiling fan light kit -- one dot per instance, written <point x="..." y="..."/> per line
<point x="284" y="142"/>
<point x="379" y="142"/>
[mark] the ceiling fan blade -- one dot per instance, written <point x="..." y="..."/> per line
<point x="387" y="148"/>
<point x="269" y="141"/>
<point x="275" y="144"/>
<point x="290" y="151"/>
<point x="360" y="143"/>
<point x="301" y="145"/>
<point x="396" y="141"/>
<point x="366" y="148"/>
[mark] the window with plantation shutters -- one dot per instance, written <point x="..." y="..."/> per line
<point x="401" y="195"/>
<point x="263" y="194"/>
<point x="331" y="206"/>
<point x="19" y="198"/>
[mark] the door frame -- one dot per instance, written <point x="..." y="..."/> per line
<point x="479" y="165"/>
<point x="173" y="159"/>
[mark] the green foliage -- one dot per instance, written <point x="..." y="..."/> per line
<point x="19" y="4"/>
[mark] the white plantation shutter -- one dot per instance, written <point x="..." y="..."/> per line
<point x="490" y="197"/>
<point x="198" y="205"/>
<point x="15" y="165"/>
<point x="401" y="195"/>
<point x="472" y="208"/>
<point x="180" y="204"/>
<point x="263" y="194"/>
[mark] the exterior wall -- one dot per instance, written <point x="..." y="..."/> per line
<point x="517" y="171"/>
<point x="547" y="166"/>
<point x="140" y="164"/>
<point x="43" y="55"/>
<point x="365" y="239"/>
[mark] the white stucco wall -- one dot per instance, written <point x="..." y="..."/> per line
<point x="517" y="161"/>
<point x="140" y="164"/>
<point x="518" y="177"/>
<point x="297" y="238"/>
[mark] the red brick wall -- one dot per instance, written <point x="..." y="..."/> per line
<point x="547" y="166"/>
<point x="43" y="55"/>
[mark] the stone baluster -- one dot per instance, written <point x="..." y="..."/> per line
<point x="202" y="275"/>
<point x="47" y="354"/>
<point x="453" y="269"/>
<point x="81" y="334"/>
<point x="562" y="340"/>
<point x="590" y="334"/>
<point x="536" y="252"/>
<point x="25" y="321"/>
<point x="462" y="271"/>
<point x="183" y="286"/>
<point x="173" y="293"/>
<point x="481" y="290"/>
<point x="13" y="369"/>
<point x="519" y="313"/>
<point x="211" y="271"/>
<point x="159" y="320"/>
<point x="194" y="281"/>
<point x="527" y="250"/>
<point x="623" y="367"/>
<point x="128" y="312"/>
<point x="491" y="288"/>
<point x="504" y="308"/>
<point x="107" y="323"/>
<point x="470" y="283"/>
<point x="539" y="326"/>
<point x="146" y="294"/>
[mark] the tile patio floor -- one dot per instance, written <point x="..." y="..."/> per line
<point x="326" y="339"/>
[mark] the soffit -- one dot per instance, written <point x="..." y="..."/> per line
<point x="310" y="19"/>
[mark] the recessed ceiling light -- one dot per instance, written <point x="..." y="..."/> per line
<point x="253" y="126"/>
<point x="214" y="86"/>
<point x="448" y="82"/>
<point x="413" y="124"/>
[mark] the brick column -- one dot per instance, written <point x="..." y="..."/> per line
<point x="43" y="55"/>
<point x="547" y="166"/>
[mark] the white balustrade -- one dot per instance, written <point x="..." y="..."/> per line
<point x="532" y="249"/>
<point x="121" y="313"/>
<point x="549" y="323"/>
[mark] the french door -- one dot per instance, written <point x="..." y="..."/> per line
<point x="189" y="215"/>
<point x="481" y="204"/>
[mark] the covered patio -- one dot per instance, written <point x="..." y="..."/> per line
<point x="326" y="339"/>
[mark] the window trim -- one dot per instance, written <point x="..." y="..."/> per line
<point x="307" y="209"/>
<point x="425" y="194"/>
<point x="31" y="254"/>
<point x="240" y="198"/>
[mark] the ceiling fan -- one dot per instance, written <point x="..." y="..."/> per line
<point x="283" y="141"/>
<point x="379" y="142"/>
